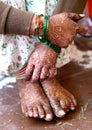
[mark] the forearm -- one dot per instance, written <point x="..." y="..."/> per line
<point x="75" y="6"/>
<point x="14" y="21"/>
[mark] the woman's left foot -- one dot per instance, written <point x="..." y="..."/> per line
<point x="34" y="102"/>
<point x="60" y="99"/>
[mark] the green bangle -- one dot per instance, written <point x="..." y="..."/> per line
<point x="44" y="38"/>
<point x="45" y="27"/>
<point x="52" y="46"/>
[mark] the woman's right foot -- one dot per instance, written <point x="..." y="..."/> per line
<point x="60" y="99"/>
<point x="34" y="102"/>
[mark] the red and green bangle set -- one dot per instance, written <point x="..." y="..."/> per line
<point x="41" y="26"/>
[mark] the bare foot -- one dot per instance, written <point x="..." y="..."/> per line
<point x="34" y="102"/>
<point x="60" y="99"/>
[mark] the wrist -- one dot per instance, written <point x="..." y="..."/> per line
<point x="39" y="28"/>
<point x="32" y="26"/>
<point x="44" y="37"/>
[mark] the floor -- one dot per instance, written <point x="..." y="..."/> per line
<point x="76" y="76"/>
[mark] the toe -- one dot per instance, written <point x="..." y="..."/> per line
<point x="24" y="110"/>
<point x="35" y="112"/>
<point x="65" y="105"/>
<point x="58" y="110"/>
<point x="41" y="112"/>
<point x="74" y="101"/>
<point x="48" y="113"/>
<point x="72" y="105"/>
<point x="30" y="112"/>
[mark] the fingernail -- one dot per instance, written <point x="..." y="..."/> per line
<point x="82" y="15"/>
<point x="62" y="113"/>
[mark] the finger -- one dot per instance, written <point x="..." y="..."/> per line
<point x="29" y="71"/>
<point x="75" y="16"/>
<point x="36" y="73"/>
<point x="52" y="72"/>
<point x="44" y="73"/>
<point x="82" y="31"/>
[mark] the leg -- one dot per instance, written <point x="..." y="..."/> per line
<point x="60" y="99"/>
<point x="34" y="102"/>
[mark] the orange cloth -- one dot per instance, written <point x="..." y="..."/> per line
<point x="89" y="8"/>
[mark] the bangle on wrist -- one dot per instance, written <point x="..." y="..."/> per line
<point x="41" y="31"/>
<point x="44" y="38"/>
<point x="36" y="28"/>
<point x="39" y="21"/>
<point x="49" y="44"/>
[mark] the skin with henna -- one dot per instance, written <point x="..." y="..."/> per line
<point x="63" y="28"/>
<point x="41" y="94"/>
<point x="60" y="99"/>
<point x="34" y="102"/>
<point x="41" y="63"/>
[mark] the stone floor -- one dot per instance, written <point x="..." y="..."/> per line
<point x="76" y="76"/>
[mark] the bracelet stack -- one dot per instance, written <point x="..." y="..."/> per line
<point x="41" y="31"/>
<point x="39" y="25"/>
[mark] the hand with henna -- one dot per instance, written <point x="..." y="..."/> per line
<point x="41" y="63"/>
<point x="63" y="28"/>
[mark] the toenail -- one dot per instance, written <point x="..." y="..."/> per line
<point x="35" y="116"/>
<point x="62" y="113"/>
<point x="72" y="108"/>
<point x="48" y="117"/>
<point x="30" y="114"/>
<point x="42" y="116"/>
<point x="67" y="110"/>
